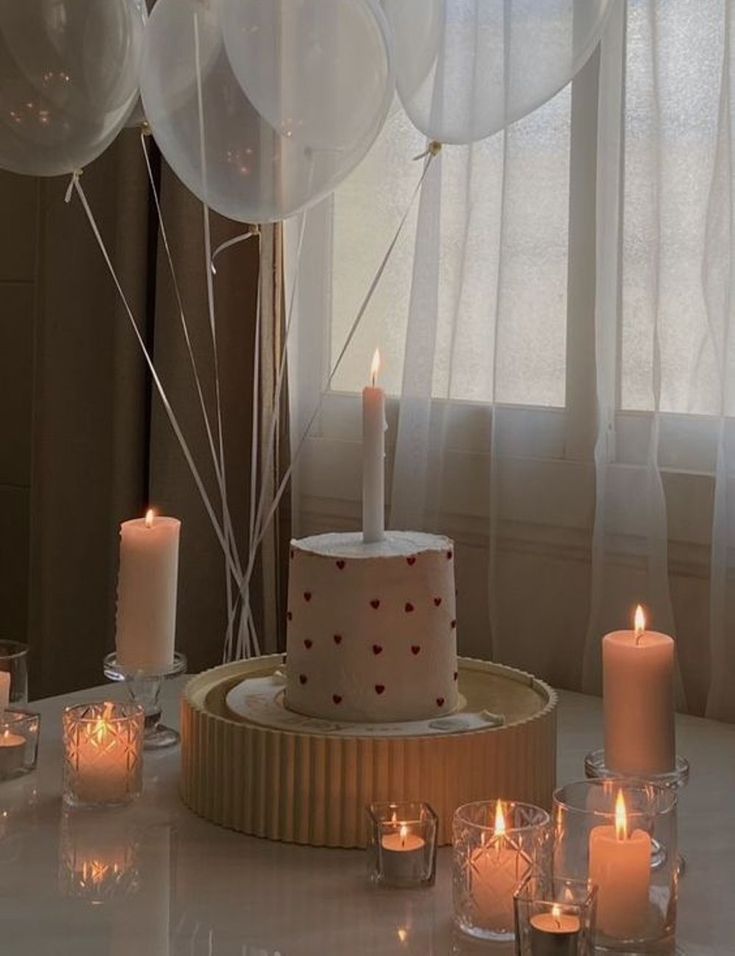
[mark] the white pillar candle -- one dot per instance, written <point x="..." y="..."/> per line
<point x="146" y="593"/>
<point x="620" y="865"/>
<point x="373" y="457"/>
<point x="638" y="690"/>
<point x="4" y="691"/>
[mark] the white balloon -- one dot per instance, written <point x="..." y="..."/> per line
<point x="317" y="70"/>
<point x="68" y="80"/>
<point x="467" y="68"/>
<point x="250" y="172"/>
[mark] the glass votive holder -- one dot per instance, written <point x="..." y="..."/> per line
<point x="620" y="834"/>
<point x="497" y="845"/>
<point x="103" y="753"/>
<point x="402" y="848"/>
<point x="19" y="731"/>
<point x="555" y="917"/>
<point x="14" y="672"/>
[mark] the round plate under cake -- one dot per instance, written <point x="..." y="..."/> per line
<point x="312" y="787"/>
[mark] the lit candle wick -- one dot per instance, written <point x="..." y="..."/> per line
<point x="556" y="915"/>
<point x="404" y="834"/>
<point x="639" y="624"/>
<point x="149" y="518"/>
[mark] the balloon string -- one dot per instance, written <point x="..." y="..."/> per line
<point x="145" y="132"/>
<point x="431" y="153"/>
<point x="252" y="231"/>
<point x="229" y="531"/>
<point x="76" y="186"/>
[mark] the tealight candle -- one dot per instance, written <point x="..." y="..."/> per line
<point x="403" y="855"/>
<point x="620" y="865"/>
<point x="12" y="753"/>
<point x="555" y="933"/>
<point x="103" y="759"/>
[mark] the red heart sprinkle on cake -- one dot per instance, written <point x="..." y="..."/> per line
<point x="307" y="595"/>
<point x="377" y="649"/>
<point x="379" y="688"/>
<point x="440" y="701"/>
<point x="456" y="675"/>
<point x="289" y="616"/>
<point x="450" y="555"/>
<point x="375" y="604"/>
<point x="308" y="643"/>
<point x="408" y="608"/>
<point x="337" y="698"/>
<point x="453" y="624"/>
<point x="437" y="602"/>
<point x="292" y="553"/>
<point x="415" y="648"/>
<point x="302" y="678"/>
<point x="337" y="638"/>
<point x="341" y="565"/>
<point x="411" y="560"/>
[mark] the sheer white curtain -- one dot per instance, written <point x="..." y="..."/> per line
<point x="555" y="323"/>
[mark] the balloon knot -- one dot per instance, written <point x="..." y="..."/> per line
<point x="435" y="147"/>
<point x="145" y="128"/>
<point x="75" y="176"/>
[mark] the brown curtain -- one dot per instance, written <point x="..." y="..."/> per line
<point x="102" y="448"/>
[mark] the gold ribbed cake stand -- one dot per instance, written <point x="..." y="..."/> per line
<point x="312" y="788"/>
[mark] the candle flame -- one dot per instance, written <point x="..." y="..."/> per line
<point x="639" y="623"/>
<point x="402" y="935"/>
<point x="621" y="817"/>
<point x="403" y="833"/>
<point x="556" y="914"/>
<point x="149" y="516"/>
<point x="394" y="818"/>
<point x="375" y="368"/>
<point x="500" y="826"/>
<point x="6" y="734"/>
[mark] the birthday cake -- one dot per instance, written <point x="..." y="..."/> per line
<point x="371" y="627"/>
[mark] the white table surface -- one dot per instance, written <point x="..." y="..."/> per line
<point x="204" y="891"/>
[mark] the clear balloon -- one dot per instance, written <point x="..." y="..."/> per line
<point x="467" y="68"/>
<point x="68" y="80"/>
<point x="213" y="137"/>
<point x="316" y="70"/>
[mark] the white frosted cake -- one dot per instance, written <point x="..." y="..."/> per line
<point x="371" y="627"/>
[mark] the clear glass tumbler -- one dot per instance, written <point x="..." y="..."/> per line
<point x="497" y="845"/>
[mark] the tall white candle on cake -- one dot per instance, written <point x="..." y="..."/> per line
<point x="638" y="687"/>
<point x="146" y="593"/>
<point x="373" y="457"/>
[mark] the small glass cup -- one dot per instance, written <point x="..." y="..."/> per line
<point x="14" y="661"/>
<point x="402" y="849"/>
<point x="621" y="834"/>
<point x="19" y="731"/>
<point x="555" y="917"/>
<point x="497" y="845"/>
<point x="103" y="753"/>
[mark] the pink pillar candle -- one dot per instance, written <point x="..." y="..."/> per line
<point x="638" y="690"/>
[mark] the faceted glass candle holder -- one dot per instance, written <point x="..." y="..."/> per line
<point x="497" y="845"/>
<point x="14" y="661"/>
<point x="402" y="849"/>
<point x="103" y="754"/>
<point x="19" y="730"/>
<point x="621" y="834"/>
<point x="555" y="917"/>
